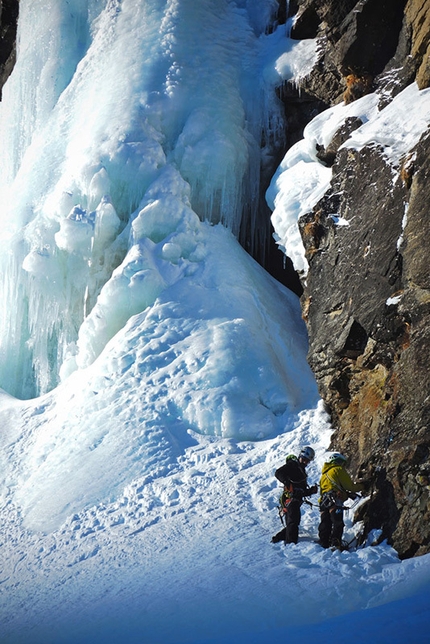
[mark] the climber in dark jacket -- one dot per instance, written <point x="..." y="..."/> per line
<point x="294" y="479"/>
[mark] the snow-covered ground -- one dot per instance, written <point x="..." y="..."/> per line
<point x="186" y="557"/>
<point x="153" y="375"/>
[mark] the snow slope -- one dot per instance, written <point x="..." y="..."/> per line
<point x="186" y="557"/>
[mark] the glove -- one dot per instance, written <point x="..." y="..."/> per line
<point x="353" y="495"/>
<point x="366" y="484"/>
<point x="312" y="490"/>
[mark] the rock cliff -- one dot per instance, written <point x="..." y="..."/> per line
<point x="8" y="22"/>
<point x="366" y="298"/>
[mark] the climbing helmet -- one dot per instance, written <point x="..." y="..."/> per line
<point x="308" y="453"/>
<point x="337" y="458"/>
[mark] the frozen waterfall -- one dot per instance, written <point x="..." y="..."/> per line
<point x="107" y="100"/>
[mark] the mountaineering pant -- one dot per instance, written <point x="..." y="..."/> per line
<point x="330" y="529"/>
<point x="290" y="534"/>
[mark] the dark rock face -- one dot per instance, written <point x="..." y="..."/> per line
<point x="417" y="21"/>
<point x="8" y="21"/>
<point x="367" y="303"/>
<point x="366" y="297"/>
<point x="361" y="36"/>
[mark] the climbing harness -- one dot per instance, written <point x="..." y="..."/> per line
<point x="284" y="501"/>
<point x="332" y="500"/>
<point x="287" y="496"/>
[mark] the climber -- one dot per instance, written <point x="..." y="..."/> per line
<point x="294" y="479"/>
<point x="336" y="486"/>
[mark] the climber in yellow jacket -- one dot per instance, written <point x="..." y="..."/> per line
<point x="336" y="486"/>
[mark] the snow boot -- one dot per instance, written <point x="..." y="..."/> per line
<point x="337" y="544"/>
